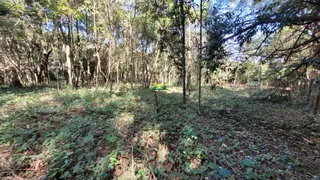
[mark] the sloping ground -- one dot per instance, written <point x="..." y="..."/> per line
<point x="87" y="134"/>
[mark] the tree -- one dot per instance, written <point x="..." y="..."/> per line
<point x="183" y="50"/>
<point x="88" y="43"/>
<point x="273" y="21"/>
<point x="269" y="20"/>
<point x="200" y="58"/>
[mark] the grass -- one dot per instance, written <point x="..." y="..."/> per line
<point x="96" y="134"/>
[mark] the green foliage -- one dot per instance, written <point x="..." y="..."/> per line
<point x="73" y="149"/>
<point x="92" y="134"/>
<point x="246" y="163"/>
<point x="3" y="9"/>
<point x="218" y="172"/>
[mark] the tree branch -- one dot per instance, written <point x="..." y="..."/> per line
<point x="306" y="19"/>
<point x="294" y="45"/>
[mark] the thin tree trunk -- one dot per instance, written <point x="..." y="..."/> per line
<point x="98" y="69"/>
<point x="109" y="62"/>
<point x="316" y="101"/>
<point x="200" y="58"/>
<point x="69" y="65"/>
<point x="96" y="54"/>
<point x="144" y="68"/>
<point x="235" y="77"/>
<point x="183" y="51"/>
<point x="132" y="63"/>
<point x="155" y="66"/>
<point x="188" y="74"/>
<point x="260" y="75"/>
<point x="309" y="90"/>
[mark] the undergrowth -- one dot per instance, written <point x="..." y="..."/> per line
<point x="97" y="134"/>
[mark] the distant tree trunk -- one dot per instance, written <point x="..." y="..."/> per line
<point x="165" y="71"/>
<point x="132" y="63"/>
<point x="316" y="101"/>
<point x="200" y="58"/>
<point x="43" y="75"/>
<point x="68" y="49"/>
<point x="183" y="50"/>
<point x="118" y="72"/>
<point x="149" y="77"/>
<point x="69" y="65"/>
<point x="16" y="79"/>
<point x="235" y="77"/>
<point x="145" y="77"/>
<point x="80" y="73"/>
<point x="88" y="72"/>
<point x="167" y="68"/>
<point x="127" y="72"/>
<point x="155" y="66"/>
<point x="96" y="53"/>
<point x="188" y="73"/>
<point x="260" y="75"/>
<point x="309" y="89"/>
<point x="98" y="69"/>
<point x="110" y="62"/>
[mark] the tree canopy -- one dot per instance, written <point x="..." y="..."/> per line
<point x="285" y="28"/>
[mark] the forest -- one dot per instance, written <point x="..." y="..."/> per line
<point x="159" y="89"/>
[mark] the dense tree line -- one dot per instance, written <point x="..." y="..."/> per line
<point x="90" y="43"/>
<point x="105" y="42"/>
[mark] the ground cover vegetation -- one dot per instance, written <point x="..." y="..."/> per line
<point x="168" y="89"/>
<point x="96" y="134"/>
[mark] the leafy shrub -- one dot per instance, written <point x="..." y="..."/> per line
<point x="72" y="153"/>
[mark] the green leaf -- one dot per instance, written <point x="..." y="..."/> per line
<point x="246" y="163"/>
<point x="65" y="174"/>
<point x="251" y="174"/>
<point x="297" y="162"/>
<point x="224" y="172"/>
<point x="171" y="159"/>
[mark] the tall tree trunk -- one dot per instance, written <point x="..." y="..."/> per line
<point x="80" y="69"/>
<point x="260" y="75"/>
<point x="69" y="65"/>
<point x="183" y="50"/>
<point x="43" y="75"/>
<point x="108" y="64"/>
<point x="98" y="69"/>
<point x="132" y="64"/>
<point x="309" y="89"/>
<point x="188" y="73"/>
<point x="96" y="53"/>
<point x="88" y="73"/>
<point x="67" y="48"/>
<point x="200" y="58"/>
<point x="144" y="67"/>
<point x="316" y="101"/>
<point x="155" y="66"/>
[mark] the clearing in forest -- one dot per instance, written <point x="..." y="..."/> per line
<point x="88" y="134"/>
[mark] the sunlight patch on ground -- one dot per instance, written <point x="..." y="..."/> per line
<point x="5" y="160"/>
<point x="123" y="123"/>
<point x="174" y="90"/>
<point x="149" y="139"/>
<point x="162" y="153"/>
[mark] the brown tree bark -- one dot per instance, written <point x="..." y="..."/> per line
<point x="316" y="102"/>
<point x="44" y="73"/>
